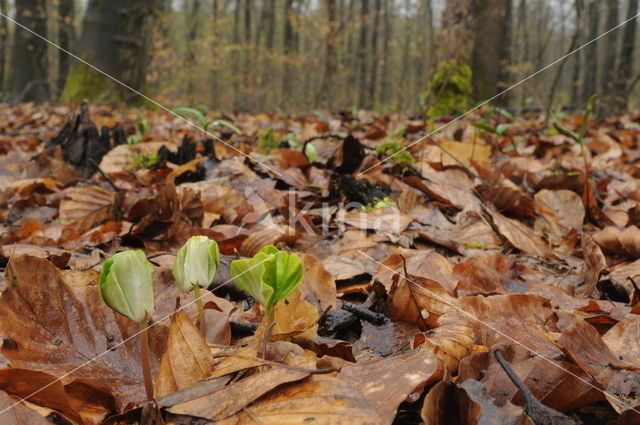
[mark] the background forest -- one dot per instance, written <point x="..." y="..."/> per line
<point x="297" y="55"/>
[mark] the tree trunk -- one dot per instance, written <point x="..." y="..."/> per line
<point x="575" y="78"/>
<point x="363" y="98"/>
<point x="591" y="52"/>
<point x="489" y="21"/>
<point x="384" y="90"/>
<point x="30" y="81"/>
<point x="504" y="76"/>
<point x="625" y="64"/>
<point x="216" y="61"/>
<point x="115" y="38"/>
<point x="330" y="62"/>
<point x="192" y="33"/>
<point x="4" y="53"/>
<point x="608" y="75"/>
<point x="66" y="37"/>
<point x="289" y="49"/>
<point x="373" y="81"/>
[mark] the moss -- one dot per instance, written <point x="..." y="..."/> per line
<point x="267" y="141"/>
<point x="84" y="83"/>
<point x="393" y="147"/>
<point x="144" y="160"/>
<point x="449" y="89"/>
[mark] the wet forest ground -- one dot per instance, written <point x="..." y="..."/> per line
<point x="476" y="277"/>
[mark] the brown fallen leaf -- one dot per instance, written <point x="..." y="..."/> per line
<point x="452" y="341"/>
<point x="78" y="400"/>
<point x="388" y="382"/>
<point x="478" y="407"/>
<point x="317" y="282"/>
<point x="560" y="212"/>
<point x="18" y="414"/>
<point x="84" y="207"/>
<point x="58" y="326"/>
<point x="594" y="264"/>
<point x="319" y="399"/>
<point x="187" y="358"/>
<point x="507" y="200"/>
<point x="622" y="339"/>
<point x="419" y="300"/>
<point x="519" y="234"/>
<point x="233" y="398"/>
<point x="619" y="242"/>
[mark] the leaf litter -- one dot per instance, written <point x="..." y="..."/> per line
<point x="496" y="288"/>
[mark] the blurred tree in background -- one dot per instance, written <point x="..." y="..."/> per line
<point x="295" y="55"/>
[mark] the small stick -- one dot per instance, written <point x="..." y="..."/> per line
<point x="105" y="176"/>
<point x="146" y="366"/>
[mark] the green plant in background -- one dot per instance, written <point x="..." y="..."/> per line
<point x="196" y="265"/>
<point x="380" y="203"/>
<point x="201" y="119"/>
<point x="449" y="91"/>
<point x="126" y="286"/>
<point x="144" y="161"/>
<point x="267" y="140"/>
<point x="270" y="276"/>
<point x="393" y="147"/>
<point x="142" y="127"/>
<point x="582" y="131"/>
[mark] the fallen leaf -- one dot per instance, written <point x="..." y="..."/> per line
<point x="482" y="408"/>
<point x="317" y="282"/>
<point x="187" y="358"/>
<point x="83" y="208"/>
<point x="387" y="382"/>
<point x="619" y="242"/>
<point x="594" y="264"/>
<point x="518" y="234"/>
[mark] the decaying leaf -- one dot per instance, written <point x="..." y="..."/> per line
<point x="83" y="208"/>
<point x="187" y="358"/>
<point x="594" y="264"/>
<point x="619" y="242"/>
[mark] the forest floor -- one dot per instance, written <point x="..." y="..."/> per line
<point x="475" y="278"/>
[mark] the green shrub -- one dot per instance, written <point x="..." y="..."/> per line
<point x="450" y="89"/>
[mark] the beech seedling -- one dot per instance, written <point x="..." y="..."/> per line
<point x="195" y="267"/>
<point x="126" y="286"/>
<point x="270" y="276"/>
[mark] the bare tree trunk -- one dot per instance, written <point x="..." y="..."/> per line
<point x="373" y="82"/>
<point x="289" y="48"/>
<point x="625" y="63"/>
<point x="608" y="74"/>
<point x="116" y="35"/>
<point x="591" y="52"/>
<point x="216" y="62"/>
<point x="363" y="98"/>
<point x="577" y="59"/>
<point x="4" y="51"/>
<point x="384" y="90"/>
<point x="235" y="57"/>
<point x="66" y="36"/>
<point x="489" y="19"/>
<point x="192" y="34"/>
<point x="330" y="62"/>
<point x="30" y="81"/>
<point x="556" y="78"/>
<point x="522" y="40"/>
<point x="247" y="72"/>
<point x="504" y="75"/>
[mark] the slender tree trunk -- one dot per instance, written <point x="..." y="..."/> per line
<point x="192" y="61"/>
<point x="30" y="81"/>
<point x="489" y="18"/>
<point x="591" y="51"/>
<point x="247" y="73"/>
<point x="504" y="75"/>
<point x="330" y="62"/>
<point x="577" y="59"/>
<point x="384" y="90"/>
<point x="522" y="40"/>
<point x="373" y="81"/>
<point x="217" y="41"/>
<point x="235" y="57"/>
<point x="556" y="78"/>
<point x="4" y="51"/>
<point x="363" y="98"/>
<point x="625" y="64"/>
<point x="608" y="74"/>
<point x="66" y="37"/>
<point x="289" y="49"/>
<point x="116" y="36"/>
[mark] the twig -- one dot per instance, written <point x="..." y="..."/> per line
<point x="105" y="176"/>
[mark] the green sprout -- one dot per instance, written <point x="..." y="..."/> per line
<point x="195" y="267"/>
<point x="126" y="286"/>
<point x="201" y="119"/>
<point x="270" y="276"/>
<point x="267" y="141"/>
